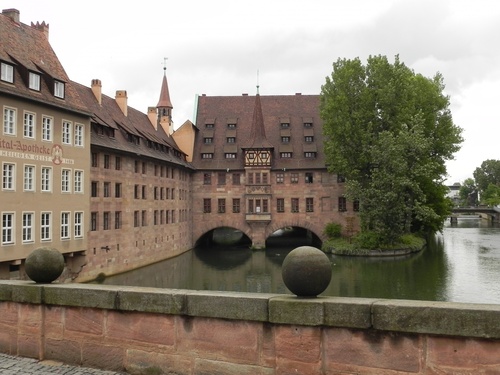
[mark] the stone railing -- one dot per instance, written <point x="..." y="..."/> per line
<point x="166" y="331"/>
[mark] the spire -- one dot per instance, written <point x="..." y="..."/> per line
<point x="258" y="134"/>
<point x="164" y="101"/>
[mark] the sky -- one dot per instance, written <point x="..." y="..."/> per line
<point x="228" y="47"/>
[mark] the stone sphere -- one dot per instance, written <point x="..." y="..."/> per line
<point x="306" y="271"/>
<point x="44" y="265"/>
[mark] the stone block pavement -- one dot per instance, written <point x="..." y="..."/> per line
<point x="11" y="365"/>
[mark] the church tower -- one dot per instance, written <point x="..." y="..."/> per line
<point x="164" y="106"/>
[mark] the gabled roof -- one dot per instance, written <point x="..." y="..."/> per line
<point x="27" y="48"/>
<point x="109" y="114"/>
<point x="295" y="110"/>
<point x="257" y="138"/>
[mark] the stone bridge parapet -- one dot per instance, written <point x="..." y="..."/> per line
<point x="161" y="331"/>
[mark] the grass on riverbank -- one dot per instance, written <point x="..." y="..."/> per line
<point x="355" y="246"/>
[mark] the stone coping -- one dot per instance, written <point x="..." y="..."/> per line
<point x="419" y="317"/>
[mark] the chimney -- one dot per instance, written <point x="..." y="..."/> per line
<point x="96" y="89"/>
<point x="153" y="117"/>
<point x="121" y="100"/>
<point x="13" y="14"/>
<point x="43" y="27"/>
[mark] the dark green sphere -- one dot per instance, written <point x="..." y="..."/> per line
<point x="306" y="271"/>
<point x="44" y="265"/>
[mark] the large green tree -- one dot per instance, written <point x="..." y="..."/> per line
<point x="389" y="132"/>
<point x="488" y="173"/>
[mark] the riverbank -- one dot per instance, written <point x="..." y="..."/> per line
<point x="341" y="246"/>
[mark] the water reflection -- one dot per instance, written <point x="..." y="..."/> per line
<point x="462" y="264"/>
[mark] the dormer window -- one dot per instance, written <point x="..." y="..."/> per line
<point x="59" y="89"/>
<point x="34" y="81"/>
<point x="7" y="72"/>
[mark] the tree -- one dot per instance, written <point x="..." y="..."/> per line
<point x="488" y="173"/>
<point x="389" y="131"/>
<point x="491" y="196"/>
<point x="468" y="192"/>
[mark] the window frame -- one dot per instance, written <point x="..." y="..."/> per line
<point x="45" y="226"/>
<point x="6" y="72"/>
<point x="28" y="229"/>
<point x="65" y="225"/>
<point x="59" y="89"/>
<point x="34" y="81"/>
<point x="29" y="181"/>
<point x="47" y="128"/>
<point x="8" y="231"/>
<point x="8" y="176"/>
<point x="78" y="224"/>
<point x="29" y="125"/>
<point x="9" y="121"/>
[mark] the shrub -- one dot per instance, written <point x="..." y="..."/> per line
<point x="368" y="240"/>
<point x="333" y="230"/>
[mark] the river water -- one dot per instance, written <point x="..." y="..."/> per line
<point x="461" y="264"/>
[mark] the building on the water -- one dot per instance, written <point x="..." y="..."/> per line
<point x="114" y="189"/>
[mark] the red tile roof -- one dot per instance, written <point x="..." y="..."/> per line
<point x="293" y="109"/>
<point x="28" y="49"/>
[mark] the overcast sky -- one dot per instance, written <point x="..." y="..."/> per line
<point x="217" y="47"/>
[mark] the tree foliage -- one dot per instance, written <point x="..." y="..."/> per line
<point x="468" y="193"/>
<point x="389" y="131"/>
<point x="488" y="173"/>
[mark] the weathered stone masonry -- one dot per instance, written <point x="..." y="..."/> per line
<point x="143" y="330"/>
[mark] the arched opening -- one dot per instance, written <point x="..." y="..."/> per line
<point x="293" y="236"/>
<point x="223" y="236"/>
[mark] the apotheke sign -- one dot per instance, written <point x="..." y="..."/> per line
<point x="20" y="150"/>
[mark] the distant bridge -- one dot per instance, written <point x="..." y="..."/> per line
<point x="493" y="213"/>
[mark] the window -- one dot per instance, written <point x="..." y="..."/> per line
<point x="136" y="191"/>
<point x="29" y="125"/>
<point x="231" y="139"/>
<point x="106" y="220"/>
<point x="308" y="138"/>
<point x="340" y="178"/>
<point x="285" y="125"/>
<point x="46" y="179"/>
<point x="209" y="126"/>
<point x="29" y="178"/>
<point x="309" y="204"/>
<point x="136" y="219"/>
<point x="264" y="178"/>
<point x="64" y="225"/>
<point x="207" y="178"/>
<point x="236" y="178"/>
<point x="280" y="178"/>
<point x="309" y="155"/>
<point x="250" y="206"/>
<point x="118" y="190"/>
<point x="285" y="139"/>
<point x="230" y="155"/>
<point x="93" y="221"/>
<point x="8" y="176"/>
<point x="9" y="121"/>
<point x="294" y="178"/>
<point x="78" y="182"/>
<point x="7" y="72"/>
<point x="118" y="219"/>
<point x="107" y="189"/>
<point x="208" y="140"/>
<point x="355" y="206"/>
<point x="66" y="132"/>
<point x="342" y="204"/>
<point x="144" y="168"/>
<point x="231" y="126"/>
<point x="7" y="228"/>
<point x="257" y="178"/>
<point x="106" y="161"/>
<point x="59" y="89"/>
<point x="118" y="163"/>
<point x="265" y="205"/>
<point x="295" y="205"/>
<point x="221" y="206"/>
<point x="34" y="81"/>
<point x="207" y="205"/>
<point x="309" y="178"/>
<point x="143" y="191"/>
<point x="47" y="129"/>
<point x="236" y="205"/>
<point x="28" y="227"/>
<point x="155" y="193"/>
<point x="221" y="178"/>
<point x="250" y="178"/>
<point x="207" y="155"/>
<point x="285" y="155"/>
<point x="65" y="180"/>
<point x="94" y="189"/>
<point x="45" y="226"/>
<point x="78" y="226"/>
<point x="95" y="159"/>
<point x="136" y="166"/>
<point x="280" y="205"/>
<point x="308" y="124"/>
<point x="144" y="218"/>
<point x="79" y="135"/>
